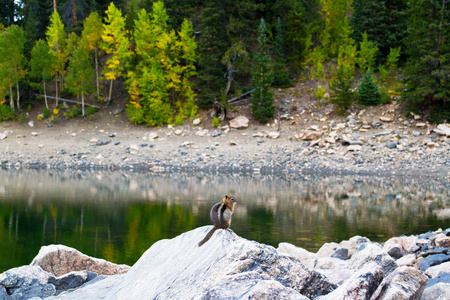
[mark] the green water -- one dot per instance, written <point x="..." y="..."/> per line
<point x="119" y="215"/>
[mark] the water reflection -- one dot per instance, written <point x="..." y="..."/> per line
<point x="119" y="215"/>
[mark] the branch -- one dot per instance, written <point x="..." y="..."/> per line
<point x="70" y="101"/>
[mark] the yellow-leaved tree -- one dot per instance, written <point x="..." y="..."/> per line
<point x="115" y="43"/>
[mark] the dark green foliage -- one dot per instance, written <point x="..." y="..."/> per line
<point x="368" y="93"/>
<point x="383" y="20"/>
<point x="46" y="112"/>
<point x="263" y="107"/>
<point x="281" y="75"/>
<point x="439" y="114"/>
<point x="428" y="67"/>
<point x="342" y="95"/>
<point x="6" y="113"/>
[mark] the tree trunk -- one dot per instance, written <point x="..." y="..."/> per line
<point x="82" y="102"/>
<point x="56" y="87"/>
<point x="54" y="5"/>
<point x="11" y="99"/>
<point x="96" y="74"/>
<point x="110" y="91"/>
<point x="45" y="95"/>
<point x="18" y="96"/>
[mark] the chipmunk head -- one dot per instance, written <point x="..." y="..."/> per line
<point x="229" y="201"/>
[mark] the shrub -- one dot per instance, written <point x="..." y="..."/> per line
<point x="368" y="93"/>
<point x="179" y="120"/>
<point x="6" y="113"/>
<point x="46" y="112"/>
<point x="215" y="122"/>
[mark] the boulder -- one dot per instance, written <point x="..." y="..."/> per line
<point x="442" y="129"/>
<point x="433" y="260"/>
<point x="371" y="252"/>
<point x="307" y="258"/>
<point x="327" y="249"/>
<point x="240" y="122"/>
<point x="436" y="270"/>
<point x="442" y="240"/>
<point x="403" y="283"/>
<point x="309" y="135"/>
<point x="59" y="260"/>
<point x="438" y="291"/>
<point x="226" y="267"/>
<point x="407" y="260"/>
<point x="353" y="244"/>
<point x="361" y="285"/>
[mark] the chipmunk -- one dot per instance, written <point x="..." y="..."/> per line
<point x="221" y="216"/>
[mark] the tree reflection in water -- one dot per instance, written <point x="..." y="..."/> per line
<point x="119" y="215"/>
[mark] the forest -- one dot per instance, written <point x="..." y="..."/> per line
<point x="171" y="58"/>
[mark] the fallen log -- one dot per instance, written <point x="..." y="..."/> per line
<point x="232" y="100"/>
<point x="70" y="101"/>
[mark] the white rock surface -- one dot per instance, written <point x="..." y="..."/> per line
<point x="239" y="122"/>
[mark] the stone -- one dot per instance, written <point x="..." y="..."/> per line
<point x="196" y="122"/>
<point x="328" y="249"/>
<point x="35" y="133"/>
<point x="93" y="141"/>
<point x="232" y="143"/>
<point x="407" y="260"/>
<point x="416" y="133"/>
<point x="371" y="252"/>
<point x="118" y="111"/>
<point x="239" y="122"/>
<point x="27" y="282"/>
<point x="353" y="244"/>
<point x="354" y="148"/>
<point x="273" y="134"/>
<point x="178" y="132"/>
<point x="307" y="258"/>
<point x="391" y="145"/>
<point x="442" y="240"/>
<point x="309" y="135"/>
<point x="2" y="136"/>
<point x="421" y="125"/>
<point x="341" y="254"/>
<point x="436" y="270"/>
<point x="59" y="260"/>
<point x="72" y="280"/>
<point x="403" y="283"/>
<point x="408" y="243"/>
<point x="433" y="260"/>
<point x="361" y="285"/>
<point x="226" y="267"/>
<point x="385" y="119"/>
<point x="443" y="129"/>
<point x="329" y="263"/>
<point x="395" y="251"/>
<point x="152" y="135"/>
<point x="437" y="291"/>
<point x="31" y="123"/>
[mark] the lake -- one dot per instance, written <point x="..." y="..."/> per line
<point x="118" y="215"/>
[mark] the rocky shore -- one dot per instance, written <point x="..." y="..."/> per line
<point x="231" y="267"/>
<point x="360" y="143"/>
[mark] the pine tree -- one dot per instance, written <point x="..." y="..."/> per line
<point x="368" y="93"/>
<point x="115" y="44"/>
<point x="90" y="40"/>
<point x="428" y="66"/>
<point x="41" y="65"/>
<point x="263" y="107"/>
<point x="12" y="61"/>
<point x="281" y="75"/>
<point x="56" y="39"/>
<point x="367" y="54"/>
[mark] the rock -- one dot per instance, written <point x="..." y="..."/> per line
<point x="178" y="132"/>
<point x="118" y="111"/>
<point x="226" y="267"/>
<point x="196" y="122"/>
<point x="395" y="251"/>
<point x="232" y="143"/>
<point x="353" y="244"/>
<point x="434" y="271"/>
<point x="385" y="119"/>
<point x="442" y="240"/>
<point x="152" y="135"/>
<point x="72" y="280"/>
<point x="329" y="263"/>
<point x="421" y="125"/>
<point x="407" y="243"/>
<point x="273" y="134"/>
<point x="2" y="136"/>
<point x="361" y="285"/>
<point x="31" y="123"/>
<point x="391" y="145"/>
<point x="403" y="283"/>
<point x="407" y="260"/>
<point x="442" y="129"/>
<point x="27" y="282"/>
<point x="309" y="135"/>
<point x="35" y="133"/>
<point x="93" y="141"/>
<point x="437" y="291"/>
<point x="371" y="252"/>
<point x="433" y="260"/>
<point x="328" y="249"/>
<point x="239" y="122"/>
<point x="416" y="133"/>
<point x="354" y="148"/>
<point x="307" y="258"/>
<point x="341" y="254"/>
<point x="59" y="260"/>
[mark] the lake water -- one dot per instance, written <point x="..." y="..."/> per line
<point x="119" y="215"/>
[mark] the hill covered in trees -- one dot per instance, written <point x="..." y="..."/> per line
<point x="172" y="57"/>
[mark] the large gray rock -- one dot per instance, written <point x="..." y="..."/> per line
<point x="436" y="270"/>
<point x="403" y="283"/>
<point x="27" y="282"/>
<point x="438" y="291"/>
<point x="433" y="260"/>
<point x="307" y="258"/>
<point x="361" y="285"/>
<point x="59" y="260"/>
<point x="353" y="244"/>
<point x="239" y="122"/>
<point x="226" y="267"/>
<point x="72" y="280"/>
<point x="371" y="252"/>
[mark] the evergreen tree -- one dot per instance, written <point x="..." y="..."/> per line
<point x="368" y="93"/>
<point x="263" y="107"/>
<point x="383" y="20"/>
<point x="41" y="65"/>
<point x="367" y="54"/>
<point x="281" y="75"/>
<point x="428" y="66"/>
<point x="12" y="61"/>
<point x="115" y="44"/>
<point x="91" y="38"/>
